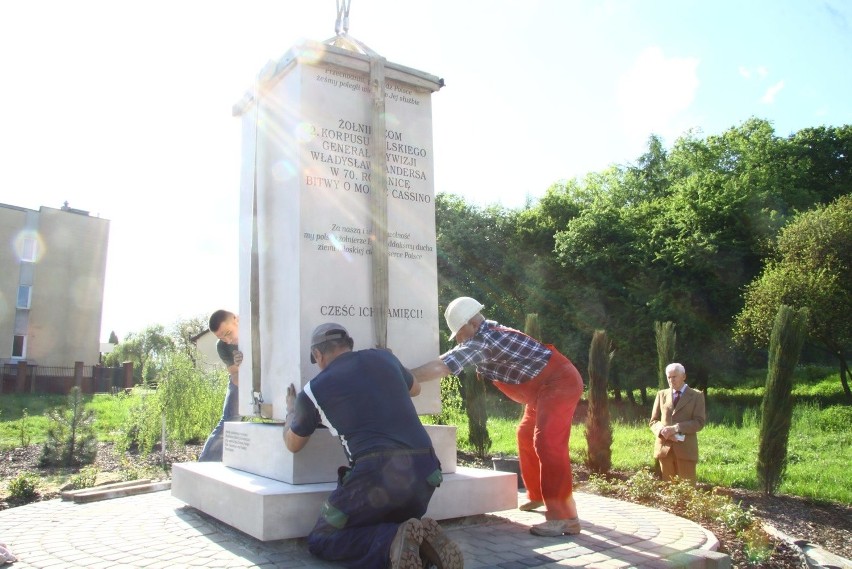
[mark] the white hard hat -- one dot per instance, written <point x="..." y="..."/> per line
<point x="459" y="311"/>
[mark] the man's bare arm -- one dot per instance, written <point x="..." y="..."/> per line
<point x="430" y="371"/>
<point x="294" y="442"/>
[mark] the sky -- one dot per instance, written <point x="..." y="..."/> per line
<point x="123" y="108"/>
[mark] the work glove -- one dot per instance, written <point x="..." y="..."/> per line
<point x="290" y="404"/>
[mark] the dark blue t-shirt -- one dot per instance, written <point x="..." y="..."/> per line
<point x="363" y="397"/>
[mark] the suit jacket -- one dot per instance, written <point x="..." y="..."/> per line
<point x="688" y="416"/>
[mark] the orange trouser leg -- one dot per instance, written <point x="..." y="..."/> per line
<point x="528" y="458"/>
<point x="544" y="431"/>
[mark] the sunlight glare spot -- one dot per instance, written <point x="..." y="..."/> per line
<point x="310" y="56"/>
<point x="305" y="132"/>
<point x="29" y="246"/>
<point x="283" y="170"/>
<point x="391" y="120"/>
<point x="339" y="246"/>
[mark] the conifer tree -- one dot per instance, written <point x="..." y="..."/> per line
<point x="477" y="413"/>
<point x="785" y="345"/>
<point x="71" y="438"/>
<point x="532" y="328"/>
<point x="598" y="427"/>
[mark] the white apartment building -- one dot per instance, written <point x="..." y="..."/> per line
<point x="52" y="272"/>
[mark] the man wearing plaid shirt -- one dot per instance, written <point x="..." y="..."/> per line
<point x="539" y="377"/>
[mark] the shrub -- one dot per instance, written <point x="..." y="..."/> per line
<point x="642" y="487"/>
<point x="189" y="399"/>
<point x="24" y="487"/>
<point x="599" y="484"/>
<point x="756" y="544"/>
<point x="86" y="478"/>
<point x="131" y="471"/>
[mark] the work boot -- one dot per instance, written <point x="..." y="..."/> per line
<point x="530" y="506"/>
<point x="553" y="528"/>
<point x="438" y="550"/>
<point x="405" y="547"/>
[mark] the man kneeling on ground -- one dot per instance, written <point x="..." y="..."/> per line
<point x="372" y="520"/>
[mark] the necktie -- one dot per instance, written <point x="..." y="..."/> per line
<point x="676" y="397"/>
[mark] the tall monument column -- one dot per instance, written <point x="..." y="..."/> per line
<point x="337" y="223"/>
<point x="337" y="217"/>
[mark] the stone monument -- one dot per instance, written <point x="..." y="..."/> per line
<point x="337" y="223"/>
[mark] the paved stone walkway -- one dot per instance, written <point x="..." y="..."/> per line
<point x="158" y="531"/>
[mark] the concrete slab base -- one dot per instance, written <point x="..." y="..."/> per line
<point x="258" y="448"/>
<point x="269" y="509"/>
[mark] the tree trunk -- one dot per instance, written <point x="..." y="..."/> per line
<point x="666" y="339"/>
<point x="844" y="376"/>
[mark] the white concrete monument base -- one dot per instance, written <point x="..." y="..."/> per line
<point x="264" y="490"/>
<point x="259" y="448"/>
<point x="267" y="509"/>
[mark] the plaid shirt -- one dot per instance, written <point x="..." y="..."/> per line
<point x="499" y="354"/>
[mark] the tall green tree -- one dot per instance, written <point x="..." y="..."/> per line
<point x="788" y="335"/>
<point x="810" y="269"/>
<point x="182" y="333"/>
<point x="147" y="350"/>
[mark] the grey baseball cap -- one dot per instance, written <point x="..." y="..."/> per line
<point x="326" y="332"/>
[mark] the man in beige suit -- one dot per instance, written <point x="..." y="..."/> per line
<point x="677" y="415"/>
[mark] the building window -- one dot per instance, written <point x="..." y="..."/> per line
<point x="24" y="296"/>
<point x="28" y="249"/>
<point x="19" y="347"/>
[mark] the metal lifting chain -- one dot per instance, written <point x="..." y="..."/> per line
<point x="342" y="17"/>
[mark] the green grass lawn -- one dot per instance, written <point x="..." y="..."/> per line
<point x="819" y="451"/>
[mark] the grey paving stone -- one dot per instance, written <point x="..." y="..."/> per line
<point x="156" y="531"/>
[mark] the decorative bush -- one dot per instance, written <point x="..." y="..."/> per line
<point x="24" y="487"/>
<point x="86" y="478"/>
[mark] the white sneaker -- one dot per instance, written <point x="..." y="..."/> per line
<point x="554" y="528"/>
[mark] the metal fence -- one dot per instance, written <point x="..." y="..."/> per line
<point x="28" y="378"/>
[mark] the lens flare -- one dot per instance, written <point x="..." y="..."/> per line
<point x="29" y="246"/>
<point x="391" y="121"/>
<point x="311" y="56"/>
<point x="305" y="132"/>
<point x="339" y="246"/>
<point x="283" y="170"/>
